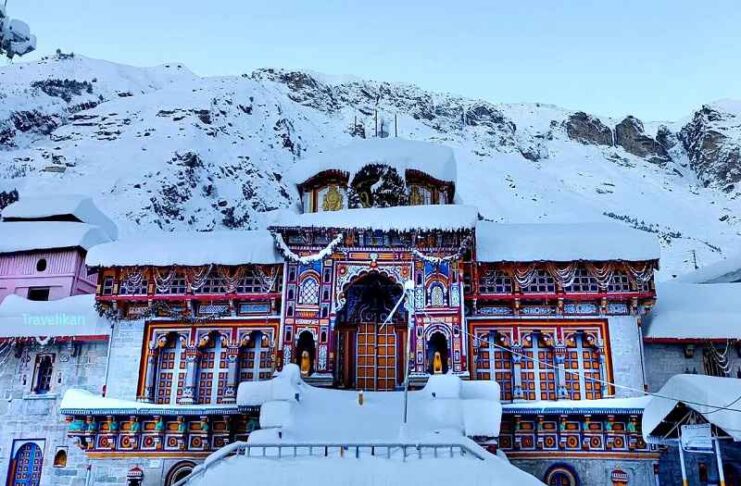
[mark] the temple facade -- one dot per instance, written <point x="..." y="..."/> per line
<point x="380" y="273"/>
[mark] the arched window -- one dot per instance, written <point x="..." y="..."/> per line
<point x="437" y="295"/>
<point x="212" y="374"/>
<point x="60" y="458"/>
<point x="170" y="371"/>
<point x="255" y="360"/>
<point x="561" y="475"/>
<point x="538" y="369"/>
<point x="309" y="291"/>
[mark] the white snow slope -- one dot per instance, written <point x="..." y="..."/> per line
<point x="161" y="147"/>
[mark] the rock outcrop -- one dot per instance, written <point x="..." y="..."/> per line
<point x="585" y="128"/>
<point x="630" y="135"/>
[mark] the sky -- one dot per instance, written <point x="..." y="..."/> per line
<point x="655" y="59"/>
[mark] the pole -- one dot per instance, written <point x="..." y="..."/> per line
<point x="108" y="363"/>
<point x="681" y="463"/>
<point x="406" y="361"/>
<point x="721" y="475"/>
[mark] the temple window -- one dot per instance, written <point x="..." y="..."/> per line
<point x="583" y="282"/>
<point x="437" y="295"/>
<point x="212" y="375"/>
<point x="213" y="285"/>
<point x="170" y="372"/>
<point x="495" y="282"/>
<point x="43" y="373"/>
<point x="309" y="291"/>
<point x="538" y="370"/>
<point x="38" y="293"/>
<point x="495" y="363"/>
<point x="619" y="282"/>
<point x="107" y="288"/>
<point x="177" y="286"/>
<point x="583" y="370"/>
<point x="250" y="284"/>
<point x="542" y="283"/>
<point x="255" y="358"/>
<point x="133" y="287"/>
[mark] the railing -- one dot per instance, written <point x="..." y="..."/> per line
<point x="402" y="451"/>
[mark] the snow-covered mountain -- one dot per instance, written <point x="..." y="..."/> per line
<point x="163" y="148"/>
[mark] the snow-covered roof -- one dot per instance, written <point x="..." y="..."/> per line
<point x="187" y="248"/>
<point x="82" y="402"/>
<point x="563" y="243"/>
<point x="695" y="311"/>
<point x="47" y="235"/>
<point x="450" y="217"/>
<point x="69" y="317"/>
<point x="726" y="270"/>
<point x="435" y="160"/>
<point x="715" y="398"/>
<point x="602" y="405"/>
<point x="81" y="208"/>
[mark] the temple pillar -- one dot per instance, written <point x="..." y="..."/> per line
<point x="232" y="374"/>
<point x="517" y="393"/>
<point x="192" y="356"/>
<point x="150" y="374"/>
<point x="559" y="353"/>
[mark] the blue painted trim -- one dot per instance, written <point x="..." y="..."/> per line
<point x="232" y="410"/>
<point x="569" y="411"/>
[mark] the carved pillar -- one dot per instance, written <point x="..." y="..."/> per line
<point x="192" y="356"/>
<point x="150" y="381"/>
<point x="603" y="372"/>
<point x="232" y="374"/>
<point x="517" y="393"/>
<point x="559" y="353"/>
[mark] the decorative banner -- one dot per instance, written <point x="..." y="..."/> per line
<point x="324" y="253"/>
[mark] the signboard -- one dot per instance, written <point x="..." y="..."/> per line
<point x="697" y="438"/>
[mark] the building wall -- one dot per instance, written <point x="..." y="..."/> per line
<point x="126" y="353"/>
<point x="670" y="471"/>
<point x="593" y="471"/>
<point x="26" y="415"/>
<point x="627" y="365"/>
<point x="666" y="360"/>
<point x="65" y="274"/>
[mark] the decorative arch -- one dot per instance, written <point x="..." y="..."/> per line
<point x="306" y="351"/>
<point x="213" y="369"/>
<point x="561" y="474"/>
<point x="170" y="367"/>
<point x="438" y="353"/>
<point x="26" y="464"/>
<point x="255" y="356"/>
<point x="349" y="274"/>
<point x="179" y="471"/>
<point x="309" y="288"/>
<point x="437" y="295"/>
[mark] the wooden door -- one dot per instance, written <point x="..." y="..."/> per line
<point x="26" y="467"/>
<point x="375" y="357"/>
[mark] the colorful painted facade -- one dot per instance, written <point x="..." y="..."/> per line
<point x="560" y="332"/>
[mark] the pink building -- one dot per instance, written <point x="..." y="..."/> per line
<point x="43" y="243"/>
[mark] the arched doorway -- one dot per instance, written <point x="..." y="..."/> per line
<point x="305" y="353"/>
<point x="437" y="354"/>
<point x="369" y="353"/>
<point x="25" y="468"/>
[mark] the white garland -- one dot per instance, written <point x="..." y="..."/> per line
<point x="455" y="256"/>
<point x="324" y="253"/>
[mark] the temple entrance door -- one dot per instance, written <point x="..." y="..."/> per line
<point x="369" y="353"/>
<point x="375" y="357"/>
<point x="26" y="466"/>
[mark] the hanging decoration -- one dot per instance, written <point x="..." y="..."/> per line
<point x="163" y="283"/>
<point x="267" y="280"/>
<point x="524" y="275"/>
<point x="642" y="273"/>
<point x="196" y="278"/>
<point x="231" y="276"/>
<point x="321" y="255"/>
<point x="455" y="256"/>
<point x="563" y="275"/>
<point x="602" y="274"/>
